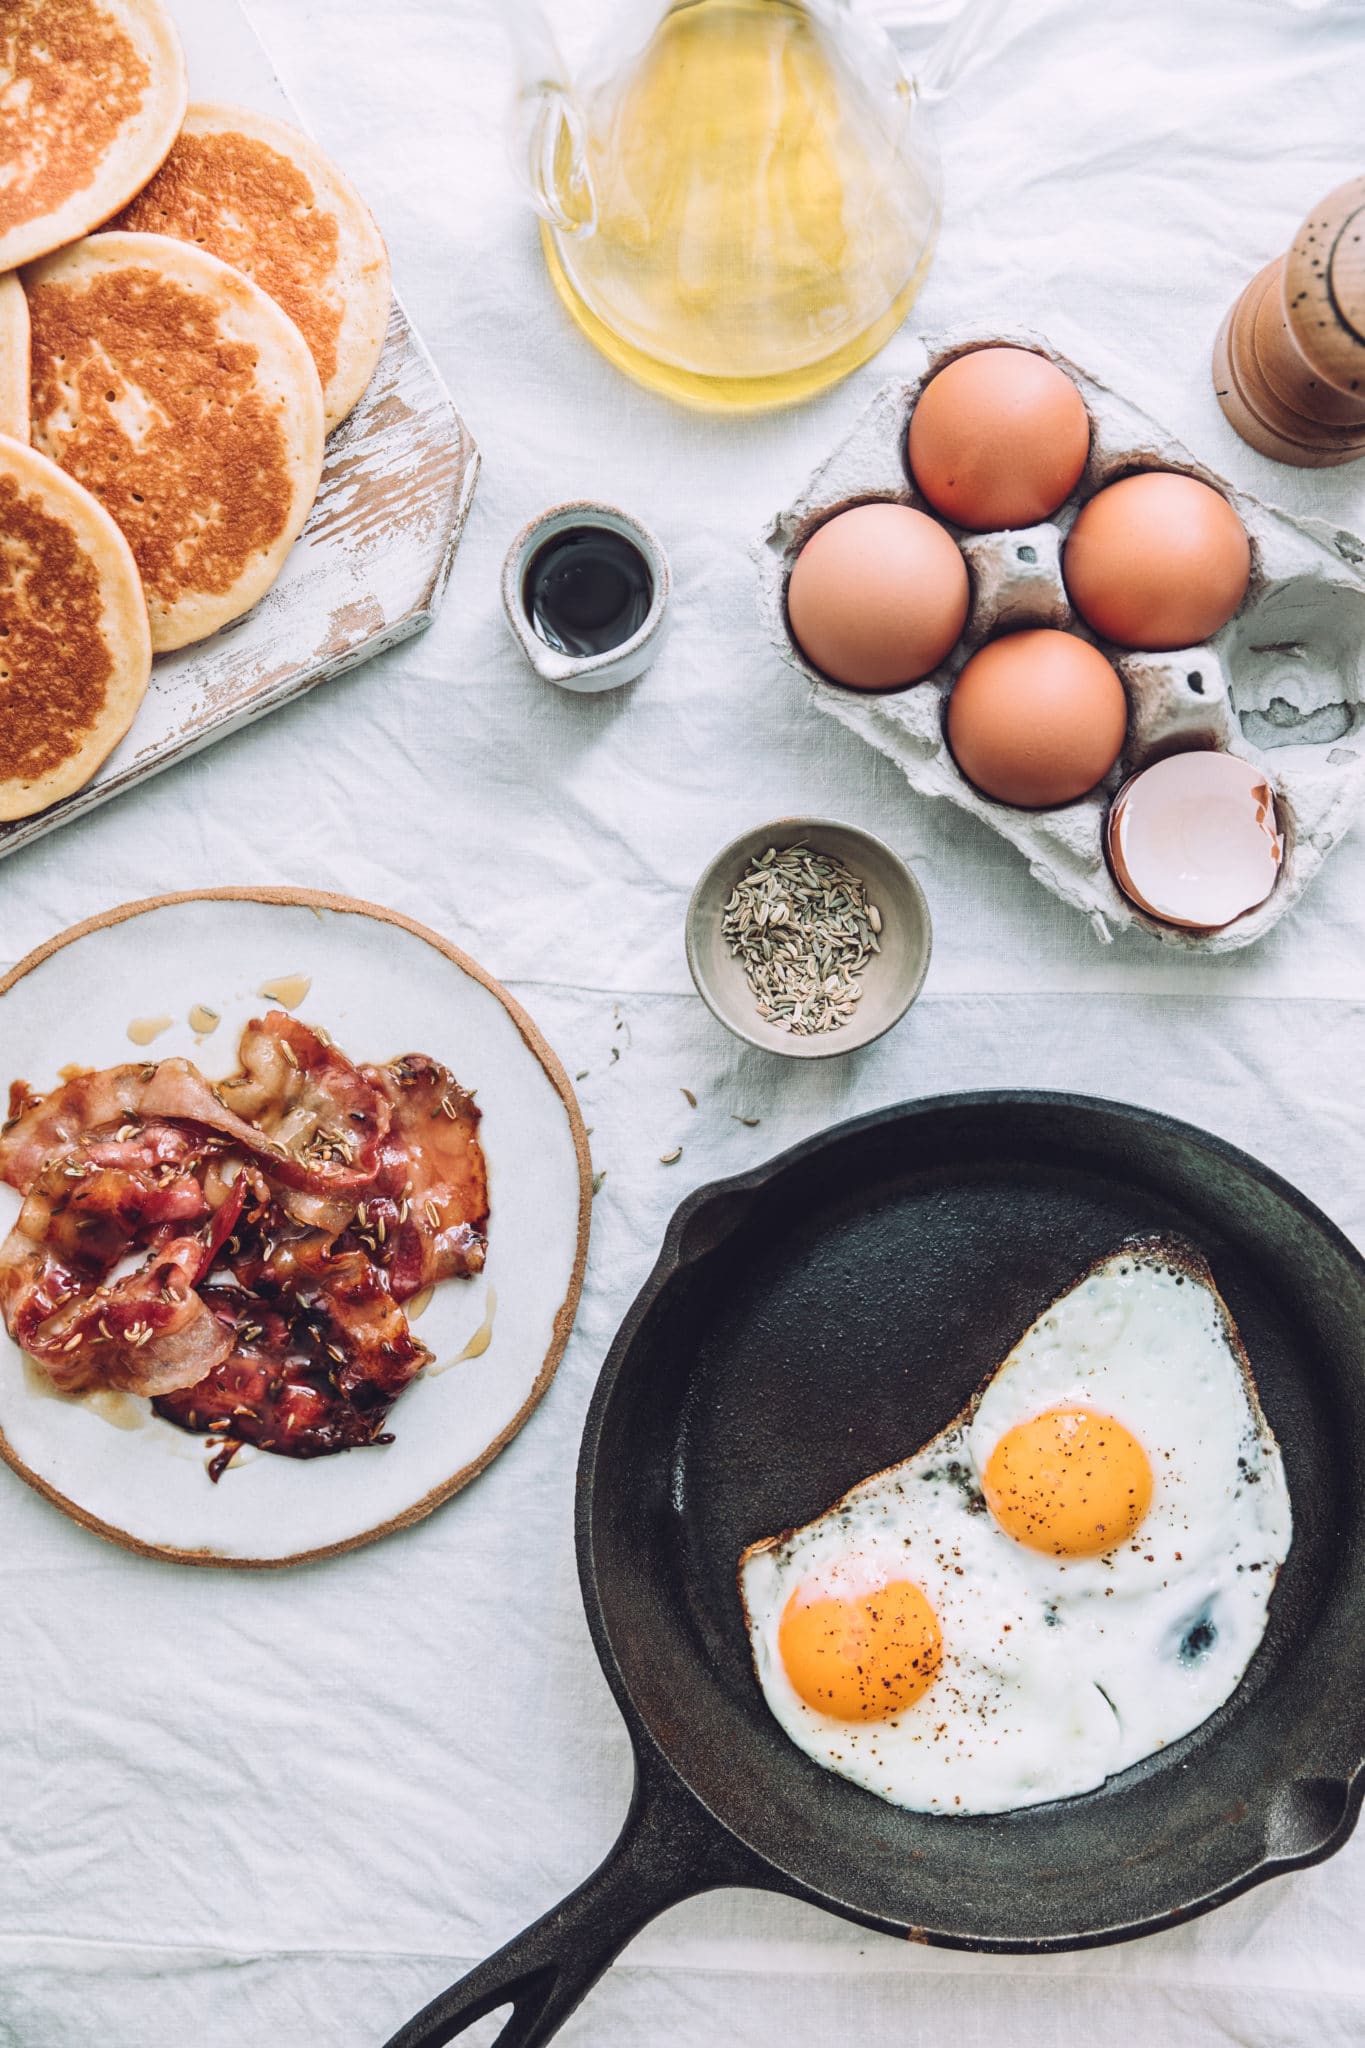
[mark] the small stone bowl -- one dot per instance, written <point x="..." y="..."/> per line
<point x="617" y="665"/>
<point x="892" y="978"/>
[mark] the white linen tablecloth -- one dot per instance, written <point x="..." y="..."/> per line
<point x="239" y="1810"/>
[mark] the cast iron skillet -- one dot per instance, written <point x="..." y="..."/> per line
<point x="814" y="1321"/>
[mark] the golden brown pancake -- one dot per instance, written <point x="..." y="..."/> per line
<point x="75" y="650"/>
<point x="13" y="358"/>
<point x="92" y="93"/>
<point x="264" y="198"/>
<point x="187" y="401"/>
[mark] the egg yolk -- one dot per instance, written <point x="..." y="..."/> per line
<point x="1071" y="1482"/>
<point x="861" y="1657"/>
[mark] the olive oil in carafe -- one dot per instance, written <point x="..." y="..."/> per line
<point x="764" y="217"/>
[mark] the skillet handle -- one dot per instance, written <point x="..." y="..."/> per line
<point x="669" y="1849"/>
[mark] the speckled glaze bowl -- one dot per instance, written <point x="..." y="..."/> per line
<point x="892" y="978"/>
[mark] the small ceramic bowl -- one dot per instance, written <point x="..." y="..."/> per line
<point x="590" y="671"/>
<point x="892" y="978"/>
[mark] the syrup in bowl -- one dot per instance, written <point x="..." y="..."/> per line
<point x="587" y="590"/>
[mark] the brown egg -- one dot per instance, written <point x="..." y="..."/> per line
<point x="1037" y="719"/>
<point x="1158" y="560"/>
<point x="878" y="596"/>
<point x="1194" y="840"/>
<point x="999" y="439"/>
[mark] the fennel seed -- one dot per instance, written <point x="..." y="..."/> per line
<point x="801" y="926"/>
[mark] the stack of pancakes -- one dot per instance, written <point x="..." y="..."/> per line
<point x="191" y="298"/>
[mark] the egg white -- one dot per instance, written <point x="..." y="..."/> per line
<point x="1057" y="1673"/>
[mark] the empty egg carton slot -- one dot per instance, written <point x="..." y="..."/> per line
<point x="1282" y="685"/>
<point x="1298" y="665"/>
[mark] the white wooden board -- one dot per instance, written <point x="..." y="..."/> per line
<point x="369" y="568"/>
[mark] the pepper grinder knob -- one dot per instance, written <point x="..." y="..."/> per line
<point x="1289" y="361"/>
<point x="1324" y="290"/>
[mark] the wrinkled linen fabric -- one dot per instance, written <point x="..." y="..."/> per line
<point x="241" y="1809"/>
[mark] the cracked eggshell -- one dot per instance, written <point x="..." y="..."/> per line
<point x="1282" y="684"/>
<point x="1194" y="838"/>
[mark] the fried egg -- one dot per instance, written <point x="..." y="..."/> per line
<point x="1073" y="1574"/>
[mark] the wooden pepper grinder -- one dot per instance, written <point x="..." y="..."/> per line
<point x="1289" y="361"/>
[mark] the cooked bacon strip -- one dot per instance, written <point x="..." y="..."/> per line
<point x="362" y="1321"/>
<point x="22" y="1099"/>
<point x="320" y="1354"/>
<point x="427" y="1217"/>
<point x="86" y="1211"/>
<point x="106" y="1196"/>
<point x="34" y="1281"/>
<point x="147" y="1333"/>
<point x="342" y="1293"/>
<point x="108" y="1098"/>
<point x="275" y="1390"/>
<point x="318" y="1135"/>
<point x="325" y="1123"/>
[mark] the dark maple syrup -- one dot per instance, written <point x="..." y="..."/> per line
<point x="587" y="590"/>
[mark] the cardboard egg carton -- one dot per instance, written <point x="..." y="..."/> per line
<point x="1282" y="685"/>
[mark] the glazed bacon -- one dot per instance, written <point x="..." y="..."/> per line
<point x="324" y="1123"/>
<point x="103" y="1196"/>
<point x="147" y="1331"/>
<point x="106" y="1099"/>
<point x="333" y="1289"/>
<point x="427" y="1218"/>
<point x="279" y="1387"/>
<point x="329" y="1195"/>
<point x="298" y="1107"/>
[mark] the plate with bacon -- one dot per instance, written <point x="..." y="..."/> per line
<point x="293" y="1218"/>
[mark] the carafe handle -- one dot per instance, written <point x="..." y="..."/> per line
<point x="548" y="139"/>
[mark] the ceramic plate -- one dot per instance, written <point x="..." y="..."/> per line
<point x="382" y="986"/>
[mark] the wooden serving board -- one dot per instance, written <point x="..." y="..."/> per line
<point x="371" y="565"/>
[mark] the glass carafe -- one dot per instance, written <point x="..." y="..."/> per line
<point x="739" y="202"/>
